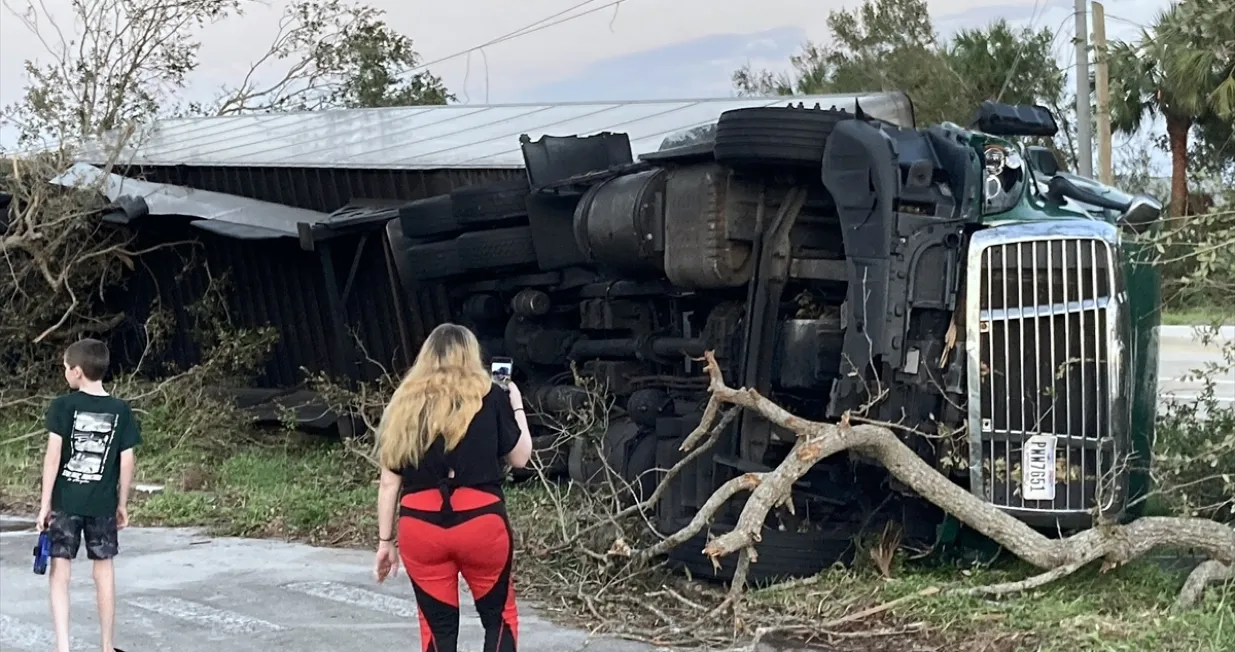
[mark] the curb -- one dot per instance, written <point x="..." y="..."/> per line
<point x="23" y="524"/>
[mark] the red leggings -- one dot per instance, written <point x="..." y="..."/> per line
<point x="470" y="536"/>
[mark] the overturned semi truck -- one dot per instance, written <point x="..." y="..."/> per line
<point x="954" y="281"/>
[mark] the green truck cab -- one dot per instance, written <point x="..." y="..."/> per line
<point x="999" y="309"/>
<point x="1066" y="289"/>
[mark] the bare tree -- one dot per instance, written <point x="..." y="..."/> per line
<point x="118" y="61"/>
<point x="126" y="61"/>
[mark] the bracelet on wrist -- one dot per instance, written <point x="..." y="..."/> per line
<point x="518" y="409"/>
<point x="384" y="540"/>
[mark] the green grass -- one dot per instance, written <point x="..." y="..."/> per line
<point x="1194" y="316"/>
<point x="312" y="492"/>
<point x="1125" y="610"/>
<point x="268" y="484"/>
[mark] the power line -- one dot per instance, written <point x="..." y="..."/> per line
<point x="1128" y="21"/>
<point x="532" y="28"/>
<point x="1059" y="29"/>
<point x="1033" y="19"/>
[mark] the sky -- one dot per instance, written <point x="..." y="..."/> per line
<point x="638" y="49"/>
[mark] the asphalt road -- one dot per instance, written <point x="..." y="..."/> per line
<point x="180" y="591"/>
<point x="1179" y="353"/>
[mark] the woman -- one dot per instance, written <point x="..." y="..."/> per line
<point x="440" y="444"/>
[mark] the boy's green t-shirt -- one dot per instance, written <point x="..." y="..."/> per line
<point x="94" y="430"/>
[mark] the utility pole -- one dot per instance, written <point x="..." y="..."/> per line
<point x="1084" y="128"/>
<point x="1103" y="89"/>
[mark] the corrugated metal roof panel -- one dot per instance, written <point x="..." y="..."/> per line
<point x="223" y="213"/>
<point x="438" y="137"/>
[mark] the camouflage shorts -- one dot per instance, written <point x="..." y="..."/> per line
<point x="66" y="530"/>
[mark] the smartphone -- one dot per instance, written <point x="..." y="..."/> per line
<point x="500" y="369"/>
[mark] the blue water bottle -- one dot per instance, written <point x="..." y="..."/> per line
<point x="42" y="553"/>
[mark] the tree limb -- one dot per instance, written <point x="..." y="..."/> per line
<point x="1115" y="544"/>
<point x="1207" y="572"/>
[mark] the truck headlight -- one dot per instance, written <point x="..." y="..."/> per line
<point x="1004" y="179"/>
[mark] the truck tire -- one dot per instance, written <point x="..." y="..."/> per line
<point x="551" y="455"/>
<point x="782" y="555"/>
<point x="582" y="464"/>
<point x="774" y="135"/>
<point x="494" y="202"/>
<point x="496" y="248"/>
<point x="433" y="260"/>
<point x="640" y="467"/>
<point x="428" y="217"/>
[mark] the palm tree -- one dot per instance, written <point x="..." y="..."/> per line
<point x="1175" y="70"/>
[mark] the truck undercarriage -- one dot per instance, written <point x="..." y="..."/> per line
<point x="836" y="263"/>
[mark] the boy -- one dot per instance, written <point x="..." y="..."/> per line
<point x="87" y="472"/>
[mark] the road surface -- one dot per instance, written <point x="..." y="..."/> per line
<point x="1180" y="353"/>
<point x="181" y="591"/>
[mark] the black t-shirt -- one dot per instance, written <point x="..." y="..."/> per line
<point x="94" y="431"/>
<point x="477" y="458"/>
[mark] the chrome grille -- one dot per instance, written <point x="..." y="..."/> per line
<point x="1045" y="335"/>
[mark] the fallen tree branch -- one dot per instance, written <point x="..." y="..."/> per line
<point x="801" y="630"/>
<point x="717" y="500"/>
<point x="1114" y="544"/>
<point x="706" y="427"/>
<point x="1027" y="584"/>
<point x="1206" y="573"/>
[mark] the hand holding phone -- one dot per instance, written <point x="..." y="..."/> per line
<point x="516" y="396"/>
<point x="501" y="369"/>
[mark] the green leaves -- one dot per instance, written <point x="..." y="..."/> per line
<point x="890" y="45"/>
<point x="334" y="54"/>
<point x="360" y="61"/>
<point x="1182" y="68"/>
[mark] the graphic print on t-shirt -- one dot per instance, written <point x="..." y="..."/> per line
<point x="93" y="434"/>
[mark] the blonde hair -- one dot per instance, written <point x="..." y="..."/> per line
<point x="437" y="397"/>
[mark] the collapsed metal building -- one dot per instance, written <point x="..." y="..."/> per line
<point x="300" y="211"/>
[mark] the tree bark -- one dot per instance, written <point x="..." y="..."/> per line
<point x="1177" y="132"/>
<point x="1206" y="573"/>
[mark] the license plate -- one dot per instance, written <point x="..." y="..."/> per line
<point x="1038" y="468"/>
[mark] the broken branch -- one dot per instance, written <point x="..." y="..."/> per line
<point x="1115" y="544"/>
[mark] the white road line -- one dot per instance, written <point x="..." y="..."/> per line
<point x="356" y="597"/>
<point x="17" y="634"/>
<point x="210" y="617"/>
